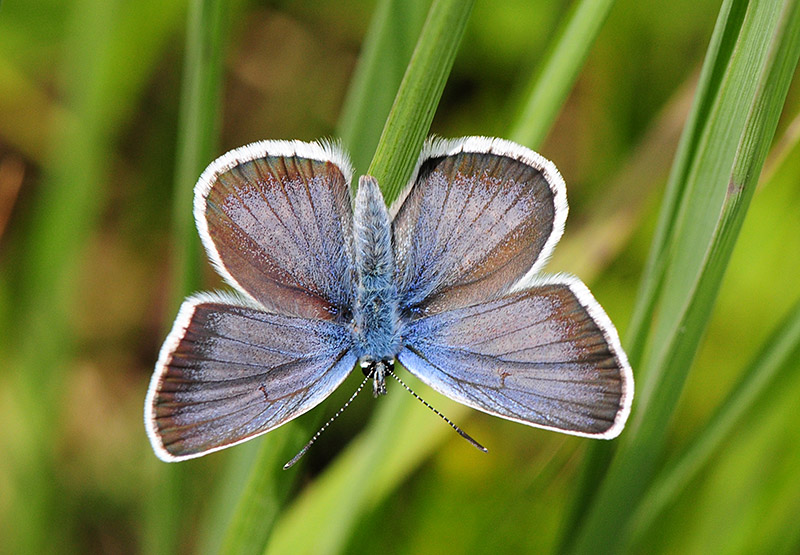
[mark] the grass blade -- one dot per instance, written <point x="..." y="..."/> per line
<point x="420" y="90"/>
<point x="197" y="136"/>
<point x="719" y="51"/>
<point x="198" y="130"/>
<point x="387" y="48"/>
<point x="738" y="122"/>
<point x="559" y="70"/>
<point x="335" y="501"/>
<point x="778" y="356"/>
<point x="99" y="100"/>
<point x="264" y="493"/>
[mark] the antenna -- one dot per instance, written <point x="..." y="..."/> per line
<point x="324" y="427"/>
<point x="370" y="375"/>
<point x="461" y="432"/>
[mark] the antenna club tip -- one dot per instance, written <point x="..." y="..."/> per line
<point x="296" y="458"/>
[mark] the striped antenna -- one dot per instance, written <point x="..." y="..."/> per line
<point x="461" y="432"/>
<point x="324" y="427"/>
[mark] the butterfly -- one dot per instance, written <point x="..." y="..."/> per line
<point x="446" y="282"/>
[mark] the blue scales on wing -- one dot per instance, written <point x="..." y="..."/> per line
<point x="537" y="356"/>
<point x="276" y="220"/>
<point x="479" y="326"/>
<point x="230" y="372"/>
<point x="474" y="222"/>
<point x="278" y="226"/>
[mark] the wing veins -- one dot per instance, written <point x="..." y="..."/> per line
<point x="462" y="383"/>
<point x="494" y="224"/>
<point x="262" y="192"/>
<point x="280" y="366"/>
<point x="292" y="407"/>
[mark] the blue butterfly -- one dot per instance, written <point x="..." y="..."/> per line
<point x="446" y="282"/>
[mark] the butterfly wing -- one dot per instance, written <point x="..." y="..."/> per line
<point x="229" y="371"/>
<point x="275" y="218"/>
<point x="547" y="356"/>
<point x="480" y="215"/>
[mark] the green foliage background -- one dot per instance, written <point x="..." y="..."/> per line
<point x="676" y="127"/>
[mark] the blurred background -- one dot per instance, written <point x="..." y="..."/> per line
<point x="90" y="103"/>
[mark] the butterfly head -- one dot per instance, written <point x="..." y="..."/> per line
<point x="377" y="370"/>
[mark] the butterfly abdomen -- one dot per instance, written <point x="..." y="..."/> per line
<point x="376" y="312"/>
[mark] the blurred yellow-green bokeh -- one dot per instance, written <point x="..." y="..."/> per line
<point x="90" y="103"/>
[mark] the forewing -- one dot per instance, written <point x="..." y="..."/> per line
<point x="229" y="372"/>
<point x="480" y="215"/>
<point x="275" y="218"/>
<point x="547" y="356"/>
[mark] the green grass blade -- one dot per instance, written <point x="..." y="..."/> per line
<point x="722" y="42"/>
<point x="387" y="48"/>
<point x="264" y="494"/>
<point x="719" y="187"/>
<point x="778" y="356"/>
<point x="420" y="90"/>
<point x="738" y="125"/>
<point x="337" y="500"/>
<point x="559" y="70"/>
<point x="197" y="136"/>
<point x="198" y="130"/>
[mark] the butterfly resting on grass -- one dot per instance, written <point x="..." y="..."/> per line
<point x="445" y="281"/>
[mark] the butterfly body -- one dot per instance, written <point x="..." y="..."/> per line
<point x="376" y="312"/>
<point x="445" y="282"/>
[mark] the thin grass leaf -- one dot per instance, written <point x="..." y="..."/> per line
<point x="740" y="122"/>
<point x="778" y="356"/>
<point x="722" y="43"/>
<point x="745" y="444"/>
<point x="197" y="137"/>
<point x="264" y="493"/>
<point x="198" y="131"/>
<point x="420" y="90"/>
<point x="559" y="70"/>
<point x="337" y="499"/>
<point x="387" y="48"/>
<point x="719" y="189"/>
<point x="743" y="501"/>
<point x="599" y="456"/>
<point x="612" y="223"/>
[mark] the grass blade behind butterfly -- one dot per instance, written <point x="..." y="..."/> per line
<point x="726" y="159"/>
